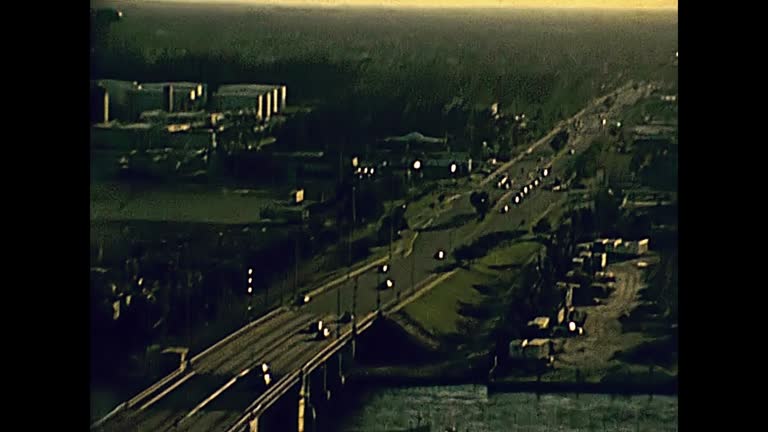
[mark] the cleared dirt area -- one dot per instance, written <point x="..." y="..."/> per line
<point x="593" y="353"/>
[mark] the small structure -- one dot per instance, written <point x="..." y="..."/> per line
<point x="116" y="136"/>
<point x="538" y="327"/>
<point x="297" y="196"/>
<point x="633" y="248"/>
<point x="263" y="100"/>
<point x="531" y="351"/>
<point x="166" y="96"/>
<point x="578" y="262"/>
<point x="599" y="261"/>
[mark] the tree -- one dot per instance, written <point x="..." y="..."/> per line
<point x="607" y="210"/>
<point x="481" y="202"/>
<point x="543" y="226"/>
<point x="559" y="141"/>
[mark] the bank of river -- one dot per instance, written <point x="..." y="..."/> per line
<point x="472" y="408"/>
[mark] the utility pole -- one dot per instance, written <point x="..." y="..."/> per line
<point x="413" y="271"/>
<point x="392" y="214"/>
<point x="338" y="309"/>
<point x="296" y="267"/>
<point x="349" y="237"/>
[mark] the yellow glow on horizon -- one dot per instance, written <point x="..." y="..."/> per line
<point x="527" y="4"/>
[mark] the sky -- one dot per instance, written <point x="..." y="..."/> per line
<point x="570" y="4"/>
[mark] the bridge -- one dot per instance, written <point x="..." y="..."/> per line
<point x="221" y="389"/>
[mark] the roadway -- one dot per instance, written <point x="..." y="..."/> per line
<point x="214" y="394"/>
<point x="267" y="342"/>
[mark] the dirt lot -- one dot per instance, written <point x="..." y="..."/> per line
<point x="593" y="353"/>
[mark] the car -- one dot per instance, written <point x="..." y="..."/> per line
<point x="323" y="334"/>
<point x="301" y="300"/>
<point x="316" y="326"/>
<point x="503" y="182"/>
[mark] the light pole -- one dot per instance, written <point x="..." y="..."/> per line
<point x="338" y="308"/>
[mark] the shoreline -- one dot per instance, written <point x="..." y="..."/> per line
<point x="444" y="375"/>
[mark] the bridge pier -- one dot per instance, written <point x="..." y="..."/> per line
<point x="304" y="394"/>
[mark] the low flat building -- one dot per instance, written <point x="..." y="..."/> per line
<point x="167" y="96"/>
<point x="530" y="349"/>
<point x="412" y="142"/>
<point x="263" y="100"/>
<point x="118" y="102"/>
<point x="633" y="248"/>
<point x="116" y="136"/>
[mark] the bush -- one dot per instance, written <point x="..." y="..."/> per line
<point x="543" y="226"/>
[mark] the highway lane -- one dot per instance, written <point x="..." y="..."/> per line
<point x="228" y="408"/>
<point x="421" y="262"/>
<point x="206" y="378"/>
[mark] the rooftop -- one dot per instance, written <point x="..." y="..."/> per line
<point x="541" y="322"/>
<point x="232" y="89"/>
<point x="535" y="342"/>
<point x="414" y="137"/>
<point x="120" y="126"/>
<point x="161" y="85"/>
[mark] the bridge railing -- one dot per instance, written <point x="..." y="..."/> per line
<point x="268" y="398"/>
<point x="182" y="371"/>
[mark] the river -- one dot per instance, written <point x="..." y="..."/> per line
<point x="471" y="408"/>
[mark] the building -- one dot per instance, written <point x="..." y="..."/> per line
<point x="187" y="138"/>
<point x="196" y="119"/>
<point x="116" y="136"/>
<point x="531" y="349"/>
<point x="99" y="103"/>
<point x="599" y="261"/>
<point x="168" y="96"/>
<point x="568" y="289"/>
<point x="287" y="213"/>
<point x="118" y="101"/>
<point x="538" y="327"/>
<point x="634" y="248"/>
<point x="145" y="136"/>
<point x="413" y="142"/>
<point x="263" y="100"/>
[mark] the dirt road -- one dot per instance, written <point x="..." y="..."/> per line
<point x="593" y="352"/>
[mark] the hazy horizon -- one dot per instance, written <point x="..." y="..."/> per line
<point x="668" y="5"/>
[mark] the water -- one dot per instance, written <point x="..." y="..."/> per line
<point x="471" y="408"/>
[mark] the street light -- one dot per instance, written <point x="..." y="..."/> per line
<point x="417" y="164"/>
<point x="453" y="168"/>
<point x="546" y="172"/>
<point x="525" y="190"/>
<point x="517" y="199"/>
<point x="440" y="255"/>
<point x="384" y="268"/>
